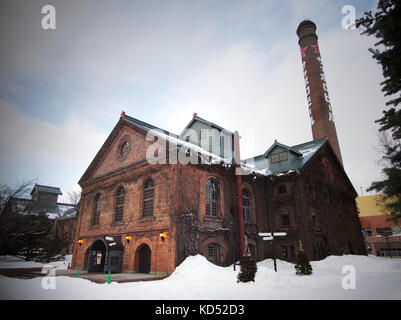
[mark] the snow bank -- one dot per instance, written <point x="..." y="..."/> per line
<point x="361" y="263"/>
<point x="196" y="278"/>
<point x="197" y="267"/>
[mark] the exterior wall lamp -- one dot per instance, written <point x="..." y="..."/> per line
<point x="128" y="238"/>
<point x="80" y="241"/>
<point x="163" y="235"/>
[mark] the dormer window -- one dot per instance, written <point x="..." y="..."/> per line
<point x="279" y="156"/>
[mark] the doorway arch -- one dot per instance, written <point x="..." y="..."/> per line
<point x="144" y="254"/>
<point x="97" y="256"/>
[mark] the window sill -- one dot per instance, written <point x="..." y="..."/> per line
<point x="117" y="223"/>
<point x="145" y="219"/>
<point x="211" y="218"/>
<point x="94" y="226"/>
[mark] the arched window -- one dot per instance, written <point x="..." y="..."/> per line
<point x="96" y="209"/>
<point x="212" y="198"/>
<point x="148" y="198"/>
<point x="246" y="204"/>
<point x="119" y="204"/>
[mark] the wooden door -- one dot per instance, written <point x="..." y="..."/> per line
<point x="144" y="259"/>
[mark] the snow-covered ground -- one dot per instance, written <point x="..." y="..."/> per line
<point x="9" y="262"/>
<point x="196" y="278"/>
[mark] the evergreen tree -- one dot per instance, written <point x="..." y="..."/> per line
<point x="248" y="269"/>
<point x="385" y="24"/>
<point x="303" y="266"/>
<point x="35" y="228"/>
<point x="26" y="232"/>
<point x="54" y="243"/>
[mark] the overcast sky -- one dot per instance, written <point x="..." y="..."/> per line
<point x="235" y="63"/>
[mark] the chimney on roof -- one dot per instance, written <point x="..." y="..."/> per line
<point x="320" y="110"/>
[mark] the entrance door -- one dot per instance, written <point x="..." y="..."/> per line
<point x="144" y="259"/>
<point x="114" y="261"/>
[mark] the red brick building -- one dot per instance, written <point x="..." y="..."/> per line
<point x="144" y="217"/>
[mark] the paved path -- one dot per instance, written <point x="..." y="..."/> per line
<point x="27" y="273"/>
<point x="115" y="277"/>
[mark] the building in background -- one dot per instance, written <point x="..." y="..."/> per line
<point x="44" y="199"/>
<point x="382" y="237"/>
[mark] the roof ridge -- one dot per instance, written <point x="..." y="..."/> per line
<point x="206" y="121"/>
<point x="304" y="143"/>
<point x="143" y="123"/>
<point x="43" y="185"/>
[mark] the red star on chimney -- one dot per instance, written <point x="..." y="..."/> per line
<point x="194" y="115"/>
<point x="122" y="113"/>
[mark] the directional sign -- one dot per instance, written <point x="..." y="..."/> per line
<point x="265" y="234"/>
<point x="269" y="234"/>
<point x="280" y="234"/>
<point x="267" y="238"/>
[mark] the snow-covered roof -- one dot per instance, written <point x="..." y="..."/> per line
<point x="258" y="165"/>
<point x="302" y="154"/>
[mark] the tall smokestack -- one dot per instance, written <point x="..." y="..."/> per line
<point x="320" y="111"/>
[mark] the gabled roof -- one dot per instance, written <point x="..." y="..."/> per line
<point x="146" y="126"/>
<point x="197" y="118"/>
<point x="278" y="144"/>
<point x="123" y="118"/>
<point x="303" y="152"/>
<point x="171" y="137"/>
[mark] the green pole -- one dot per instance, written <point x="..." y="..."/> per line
<point x="109" y="278"/>
<point x="78" y="274"/>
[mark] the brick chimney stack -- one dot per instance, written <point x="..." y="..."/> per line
<point x="320" y="111"/>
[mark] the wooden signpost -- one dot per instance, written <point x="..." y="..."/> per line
<point x="269" y="236"/>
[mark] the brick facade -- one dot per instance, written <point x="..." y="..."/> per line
<point x="179" y="209"/>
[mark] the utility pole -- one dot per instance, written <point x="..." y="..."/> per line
<point x="238" y="173"/>
<point x="389" y="247"/>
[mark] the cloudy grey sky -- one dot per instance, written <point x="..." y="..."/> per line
<point x="235" y="63"/>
